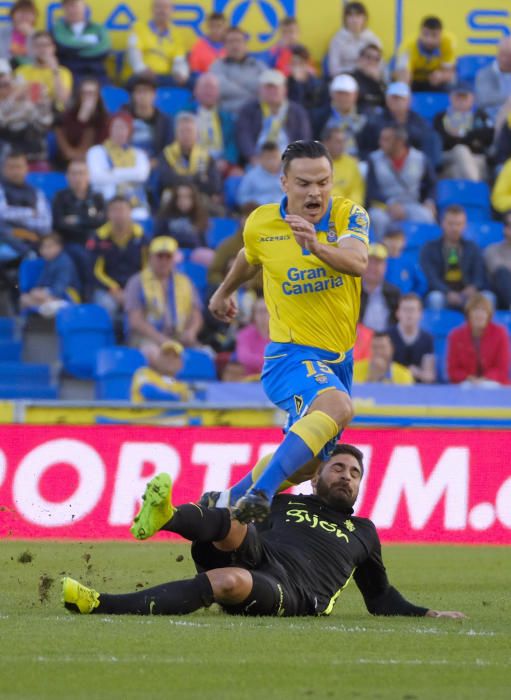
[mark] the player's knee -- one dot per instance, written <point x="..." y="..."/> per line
<point x="230" y="585"/>
<point x="339" y="406"/>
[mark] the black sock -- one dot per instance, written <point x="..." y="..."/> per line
<point x="193" y="522"/>
<point x="174" y="598"/>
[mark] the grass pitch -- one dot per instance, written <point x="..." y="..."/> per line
<point x="48" y="653"/>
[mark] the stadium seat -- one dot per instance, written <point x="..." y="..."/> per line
<point x="484" y="232"/>
<point x="114" y="371"/>
<point x="114" y="97"/>
<point x="28" y="274"/>
<point x="49" y="183"/>
<point x="231" y="186"/>
<point x="83" y="330"/>
<point x="427" y="104"/>
<point x="406" y="274"/>
<point x="441" y="323"/>
<point x="418" y="234"/>
<point x="7" y="328"/>
<point x="219" y="229"/>
<point x="198" y="274"/>
<point x="10" y="350"/>
<point x="474" y="197"/>
<point x="172" y="100"/>
<point x="25" y="380"/>
<point x="197" y="365"/>
<point x="504" y="318"/>
<point x="468" y="65"/>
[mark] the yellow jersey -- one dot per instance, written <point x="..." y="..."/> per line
<point x="149" y="385"/>
<point x="398" y="374"/>
<point x="421" y="64"/>
<point x="309" y="302"/>
<point x="159" y="50"/>
<point x="44" y="76"/>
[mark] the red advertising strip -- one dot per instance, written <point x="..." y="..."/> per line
<point x="85" y="482"/>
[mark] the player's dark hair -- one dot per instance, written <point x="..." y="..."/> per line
<point x="344" y="448"/>
<point x="433" y="23"/>
<point x="304" y="149"/>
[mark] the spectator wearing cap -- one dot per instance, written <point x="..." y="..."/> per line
<point x="453" y="266"/>
<point x="211" y="45"/>
<point x="397" y="112"/>
<point x="237" y="72"/>
<point x="160" y="303"/>
<point x="370" y="76"/>
<point x="270" y="119"/>
<point x="82" y="45"/>
<point x="380" y="367"/>
<point x="44" y="74"/>
<point x="428" y="60"/>
<point x="185" y="161"/>
<point x="413" y="347"/>
<point x="152" y="129"/>
<point x="303" y="87"/>
<point x="478" y="352"/>
<point x="497" y="257"/>
<point x="347" y="179"/>
<point x="118" y="168"/>
<point x="400" y="183"/>
<point x="493" y="85"/>
<point x="261" y="184"/>
<point x="157" y="381"/>
<point x="216" y="130"/>
<point x="24" y="122"/>
<point x="118" y="251"/>
<point x="16" y="35"/>
<point x="379" y="298"/>
<point x="346" y="45"/>
<point x="466" y="133"/>
<point x="154" y="46"/>
<point x="342" y="112"/>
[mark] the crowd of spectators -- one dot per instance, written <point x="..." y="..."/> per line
<point x="145" y="185"/>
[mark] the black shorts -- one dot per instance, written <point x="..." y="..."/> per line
<point x="273" y="593"/>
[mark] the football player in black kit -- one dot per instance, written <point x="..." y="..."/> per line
<point x="297" y="562"/>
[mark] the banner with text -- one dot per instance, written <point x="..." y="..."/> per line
<point x="86" y="482"/>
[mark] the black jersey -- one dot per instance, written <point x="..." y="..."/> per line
<point x="320" y="549"/>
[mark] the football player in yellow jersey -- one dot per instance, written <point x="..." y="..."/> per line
<point x="312" y="249"/>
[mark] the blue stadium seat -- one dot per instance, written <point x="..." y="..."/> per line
<point x="484" y="232"/>
<point x="468" y="65"/>
<point x="427" y="104"/>
<point x="7" y="328"/>
<point x="28" y="274"/>
<point x="115" y="368"/>
<point x="504" y="318"/>
<point x="10" y="350"/>
<point x="114" y="97"/>
<point x="84" y="329"/>
<point x="197" y="365"/>
<point x="474" y="197"/>
<point x="441" y="323"/>
<point x="49" y="183"/>
<point x="406" y="273"/>
<point x="25" y="380"/>
<point x="172" y="100"/>
<point x="418" y="234"/>
<point x="219" y="229"/>
<point x="440" y="347"/>
<point x="231" y="186"/>
<point x="198" y="274"/>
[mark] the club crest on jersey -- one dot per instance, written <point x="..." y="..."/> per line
<point x="358" y="221"/>
<point x="349" y="525"/>
<point x="321" y="378"/>
<point x="331" y="236"/>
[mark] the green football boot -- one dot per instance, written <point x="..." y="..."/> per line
<point x="78" y="598"/>
<point x="157" y="508"/>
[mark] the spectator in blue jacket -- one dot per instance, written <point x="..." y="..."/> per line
<point x="270" y="118"/>
<point x="261" y="184"/>
<point x="454" y="266"/>
<point x="57" y="284"/>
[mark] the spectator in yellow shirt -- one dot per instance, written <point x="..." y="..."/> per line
<point x="153" y="47"/>
<point x="45" y="73"/>
<point x="379" y="368"/>
<point x="428" y="61"/>
<point x="501" y="193"/>
<point x="157" y="381"/>
<point x="348" y="181"/>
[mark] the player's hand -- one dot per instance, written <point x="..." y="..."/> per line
<point x="223" y="308"/>
<point x="303" y="231"/>
<point x="452" y="614"/>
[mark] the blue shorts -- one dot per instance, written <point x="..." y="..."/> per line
<point x="293" y="375"/>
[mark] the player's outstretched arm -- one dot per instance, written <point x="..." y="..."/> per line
<point x="222" y="305"/>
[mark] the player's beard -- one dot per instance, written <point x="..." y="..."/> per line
<point x="335" y="497"/>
